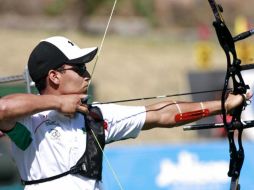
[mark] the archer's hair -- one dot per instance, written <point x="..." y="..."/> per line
<point x="41" y="85"/>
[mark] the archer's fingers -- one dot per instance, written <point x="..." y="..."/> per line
<point x="248" y="95"/>
<point x="83" y="109"/>
<point x="1" y="134"/>
<point x="70" y="115"/>
<point x="84" y="99"/>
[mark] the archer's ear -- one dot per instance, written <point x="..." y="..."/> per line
<point x="54" y="77"/>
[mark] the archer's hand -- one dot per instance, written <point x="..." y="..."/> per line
<point x="70" y="104"/>
<point x="1" y="134"/>
<point x="235" y="100"/>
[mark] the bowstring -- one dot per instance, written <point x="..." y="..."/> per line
<point x="108" y="162"/>
<point x="102" y="42"/>
<point x="92" y="73"/>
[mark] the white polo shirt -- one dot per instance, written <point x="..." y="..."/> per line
<point x="49" y="143"/>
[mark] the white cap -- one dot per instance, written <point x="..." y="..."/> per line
<point x="69" y="48"/>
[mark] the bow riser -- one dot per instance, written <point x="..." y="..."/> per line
<point x="227" y="43"/>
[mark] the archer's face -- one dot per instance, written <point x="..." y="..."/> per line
<point x="74" y="80"/>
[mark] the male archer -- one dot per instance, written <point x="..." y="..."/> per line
<point x="55" y="135"/>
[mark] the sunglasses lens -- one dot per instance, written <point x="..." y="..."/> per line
<point x="81" y="70"/>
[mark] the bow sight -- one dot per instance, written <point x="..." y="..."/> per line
<point x="234" y="69"/>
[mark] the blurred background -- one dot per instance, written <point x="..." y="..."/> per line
<point x="153" y="47"/>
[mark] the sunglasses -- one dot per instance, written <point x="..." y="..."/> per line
<point x="80" y="70"/>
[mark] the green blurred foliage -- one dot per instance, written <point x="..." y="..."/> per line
<point x="56" y="7"/>
<point x="145" y="8"/>
<point x="87" y="7"/>
<point x="92" y="5"/>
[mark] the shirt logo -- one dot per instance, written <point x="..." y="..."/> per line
<point x="47" y="123"/>
<point x="70" y="43"/>
<point x="54" y="134"/>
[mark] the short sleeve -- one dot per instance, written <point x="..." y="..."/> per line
<point x="20" y="135"/>
<point x="122" y="122"/>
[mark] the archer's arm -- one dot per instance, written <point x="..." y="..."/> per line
<point x="170" y="114"/>
<point x="15" y="106"/>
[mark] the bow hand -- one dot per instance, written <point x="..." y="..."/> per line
<point x="234" y="101"/>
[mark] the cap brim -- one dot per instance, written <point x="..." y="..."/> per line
<point x="86" y="55"/>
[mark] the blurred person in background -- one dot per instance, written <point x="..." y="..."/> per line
<point x="58" y="139"/>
